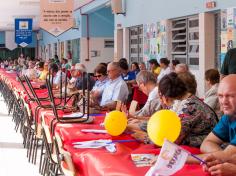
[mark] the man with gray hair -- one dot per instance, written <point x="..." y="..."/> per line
<point x="116" y="89"/>
<point x="181" y="68"/>
<point x="147" y="83"/>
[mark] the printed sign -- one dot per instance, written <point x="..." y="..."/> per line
<point x="23" y="31"/>
<point x="56" y="16"/>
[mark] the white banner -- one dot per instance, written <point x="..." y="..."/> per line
<point x="10" y="40"/>
<point x="170" y="160"/>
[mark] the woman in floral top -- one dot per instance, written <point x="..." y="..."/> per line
<point x="197" y="118"/>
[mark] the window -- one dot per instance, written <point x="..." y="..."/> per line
<point x="136" y="44"/>
<point x="108" y="43"/>
<point x="185" y="40"/>
<point x="75" y="51"/>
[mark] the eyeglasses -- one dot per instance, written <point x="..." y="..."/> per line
<point x="97" y="76"/>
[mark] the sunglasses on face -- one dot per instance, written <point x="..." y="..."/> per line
<point x="97" y="76"/>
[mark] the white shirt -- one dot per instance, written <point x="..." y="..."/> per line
<point x="100" y="85"/>
<point x="57" y="78"/>
<point x="153" y="94"/>
<point x="115" y="90"/>
<point x="30" y="73"/>
<point x="163" y="72"/>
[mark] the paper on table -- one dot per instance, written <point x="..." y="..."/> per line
<point x="76" y="114"/>
<point x="94" y="131"/>
<point x="96" y="144"/>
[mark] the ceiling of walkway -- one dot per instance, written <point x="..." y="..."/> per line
<point x="11" y="9"/>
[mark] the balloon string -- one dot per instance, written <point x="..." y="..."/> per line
<point x="197" y="158"/>
<point x="122" y="141"/>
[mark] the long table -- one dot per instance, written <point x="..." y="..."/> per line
<point x="96" y="162"/>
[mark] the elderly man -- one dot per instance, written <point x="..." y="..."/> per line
<point x="224" y="131"/>
<point x="116" y="89"/>
<point x="147" y="83"/>
<point x="181" y="68"/>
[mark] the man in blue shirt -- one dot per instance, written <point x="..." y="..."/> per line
<point x="126" y="74"/>
<point x="225" y="130"/>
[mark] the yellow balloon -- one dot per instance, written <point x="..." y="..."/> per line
<point x="115" y="123"/>
<point x="164" y="124"/>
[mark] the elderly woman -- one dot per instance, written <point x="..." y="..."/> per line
<point x="197" y="118"/>
<point x="100" y="73"/>
<point x="212" y="78"/>
<point x="80" y="71"/>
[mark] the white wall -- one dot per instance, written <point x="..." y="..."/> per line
<point x="150" y="11"/>
<point x="106" y="54"/>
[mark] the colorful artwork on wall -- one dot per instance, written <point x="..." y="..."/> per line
<point x="228" y="31"/>
<point x="155" y="41"/>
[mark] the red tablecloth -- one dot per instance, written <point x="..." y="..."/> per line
<point x="98" y="162"/>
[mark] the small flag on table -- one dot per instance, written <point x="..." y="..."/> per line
<point x="170" y="160"/>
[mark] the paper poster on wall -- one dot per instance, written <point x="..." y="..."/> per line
<point x="150" y="43"/>
<point x="224" y="41"/>
<point x="161" y="39"/>
<point x="56" y="16"/>
<point x="224" y="20"/>
<point x="228" y="31"/>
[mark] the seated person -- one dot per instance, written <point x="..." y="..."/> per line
<point x="58" y="77"/>
<point x="173" y="64"/>
<point x="127" y="75"/>
<point x="135" y="68"/>
<point x="217" y="166"/>
<point x="44" y="73"/>
<point x="197" y="118"/>
<point x="142" y="66"/>
<point x="39" y="68"/>
<point x="100" y="73"/>
<point x="147" y="83"/>
<point x="154" y="66"/>
<point x="165" y="68"/>
<point x="31" y="73"/>
<point x="224" y="131"/>
<point x="189" y="81"/>
<point x="181" y="68"/>
<point x="80" y="72"/>
<point x="16" y="66"/>
<point x="212" y="77"/>
<point x="65" y="65"/>
<point x="116" y="89"/>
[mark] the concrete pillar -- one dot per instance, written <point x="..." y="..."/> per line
<point x="118" y="42"/>
<point x="206" y="49"/>
<point x="126" y="43"/>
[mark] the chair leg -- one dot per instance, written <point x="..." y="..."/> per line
<point x="31" y="145"/>
<point x="41" y="157"/>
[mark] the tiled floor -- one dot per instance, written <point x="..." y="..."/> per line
<point x="13" y="161"/>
